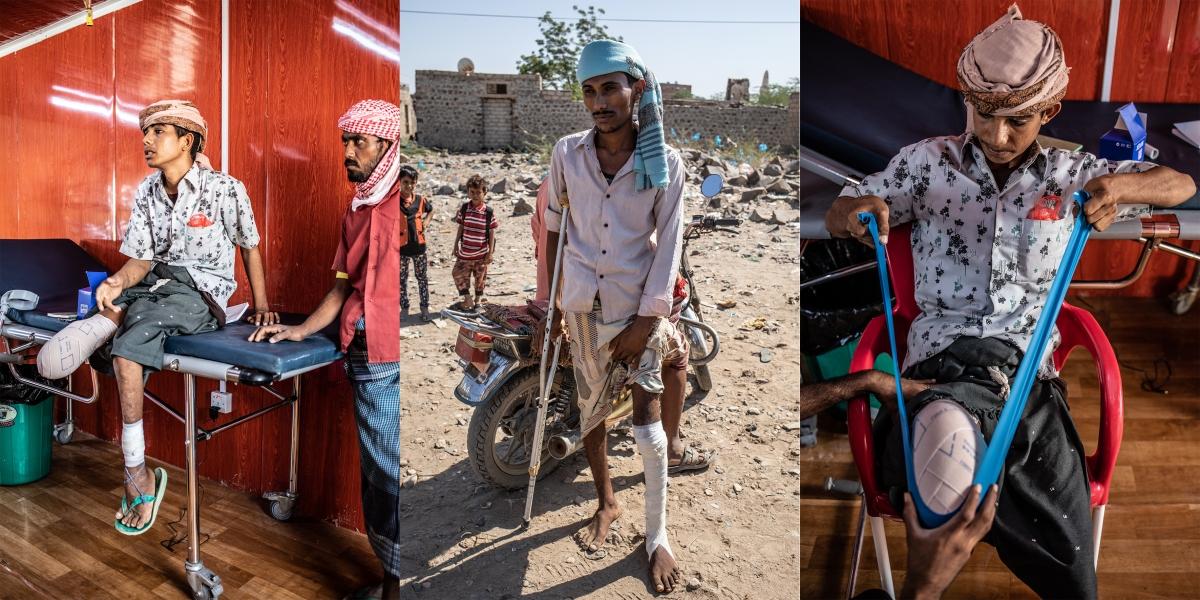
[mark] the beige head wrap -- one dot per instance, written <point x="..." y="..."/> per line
<point x="181" y="113"/>
<point x="1014" y="67"/>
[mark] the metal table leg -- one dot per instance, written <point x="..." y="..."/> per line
<point x="283" y="504"/>
<point x="63" y="432"/>
<point x="204" y="583"/>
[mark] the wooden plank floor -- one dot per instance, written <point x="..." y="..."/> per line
<point x="1152" y="528"/>
<point x="57" y="540"/>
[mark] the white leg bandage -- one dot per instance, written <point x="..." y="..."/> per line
<point x="652" y="443"/>
<point x="73" y="345"/>
<point x="133" y="444"/>
<point x="946" y="442"/>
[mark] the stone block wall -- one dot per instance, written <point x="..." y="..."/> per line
<point x="744" y="124"/>
<point x="793" y="122"/>
<point x="547" y="115"/>
<point x="449" y="113"/>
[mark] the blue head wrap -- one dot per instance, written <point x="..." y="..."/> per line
<point x="602" y="57"/>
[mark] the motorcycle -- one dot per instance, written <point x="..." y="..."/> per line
<point x="500" y="363"/>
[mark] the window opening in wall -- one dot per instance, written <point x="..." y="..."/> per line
<point x="497" y="89"/>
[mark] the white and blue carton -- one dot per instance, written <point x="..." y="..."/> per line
<point x="87" y="298"/>
<point x="1127" y="139"/>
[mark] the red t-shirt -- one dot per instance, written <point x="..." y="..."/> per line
<point x="369" y="253"/>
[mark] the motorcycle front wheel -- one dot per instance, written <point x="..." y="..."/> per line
<point x="501" y="430"/>
<point x="698" y="349"/>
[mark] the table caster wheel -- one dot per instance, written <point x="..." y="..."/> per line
<point x="63" y="433"/>
<point x="281" y="504"/>
<point x="282" y="510"/>
<point x="205" y="584"/>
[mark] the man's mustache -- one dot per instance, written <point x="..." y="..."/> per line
<point x="351" y="163"/>
<point x="603" y="113"/>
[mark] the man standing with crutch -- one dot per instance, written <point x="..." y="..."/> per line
<point x="625" y="230"/>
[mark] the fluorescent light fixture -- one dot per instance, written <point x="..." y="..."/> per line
<point x="366" y="40"/>
<point x="392" y="34"/>
<point x="83" y="107"/>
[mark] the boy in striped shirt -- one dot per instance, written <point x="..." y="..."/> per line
<point x="475" y="244"/>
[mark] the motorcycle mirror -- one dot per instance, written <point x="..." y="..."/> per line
<point x="712" y="185"/>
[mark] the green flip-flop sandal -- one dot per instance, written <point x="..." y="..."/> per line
<point x="160" y="477"/>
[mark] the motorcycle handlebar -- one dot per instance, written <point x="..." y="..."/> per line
<point x="714" y="222"/>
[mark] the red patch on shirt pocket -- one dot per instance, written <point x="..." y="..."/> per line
<point x="1048" y="208"/>
<point x="199" y="220"/>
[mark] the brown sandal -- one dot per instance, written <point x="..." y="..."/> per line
<point x="692" y="460"/>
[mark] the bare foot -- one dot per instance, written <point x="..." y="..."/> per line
<point x="141" y="484"/>
<point x="592" y="537"/>
<point x="664" y="573"/>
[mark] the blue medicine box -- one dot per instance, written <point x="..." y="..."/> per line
<point x="1127" y="139"/>
<point x="86" y="299"/>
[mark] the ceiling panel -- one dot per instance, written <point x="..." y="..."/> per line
<point x="18" y="17"/>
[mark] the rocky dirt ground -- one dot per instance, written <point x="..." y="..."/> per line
<point x="735" y="527"/>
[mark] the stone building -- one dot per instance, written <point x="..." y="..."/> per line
<point x="487" y="111"/>
<point x="672" y="91"/>
<point x="409" y="128"/>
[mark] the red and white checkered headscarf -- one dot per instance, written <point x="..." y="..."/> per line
<point x="381" y="119"/>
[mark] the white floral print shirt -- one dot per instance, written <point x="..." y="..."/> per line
<point x="197" y="231"/>
<point x="982" y="268"/>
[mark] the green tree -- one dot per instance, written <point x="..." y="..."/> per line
<point x="776" y="94"/>
<point x="559" y="47"/>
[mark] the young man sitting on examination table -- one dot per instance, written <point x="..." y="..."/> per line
<point x="185" y="222"/>
<point x="990" y="219"/>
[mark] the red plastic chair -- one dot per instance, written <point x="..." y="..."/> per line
<point x="1078" y="329"/>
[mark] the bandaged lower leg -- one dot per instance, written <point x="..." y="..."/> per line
<point x="133" y="444"/>
<point x="946" y="444"/>
<point x="73" y="345"/>
<point x="652" y="444"/>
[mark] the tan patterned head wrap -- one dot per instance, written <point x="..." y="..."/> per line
<point x="175" y="112"/>
<point x="1014" y="67"/>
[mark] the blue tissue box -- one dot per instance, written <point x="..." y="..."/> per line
<point x="86" y="299"/>
<point x="1127" y="139"/>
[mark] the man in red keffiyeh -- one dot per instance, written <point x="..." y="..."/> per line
<point x="366" y="295"/>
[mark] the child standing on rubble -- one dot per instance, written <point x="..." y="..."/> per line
<point x="475" y="243"/>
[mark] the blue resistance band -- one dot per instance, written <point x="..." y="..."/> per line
<point x="988" y="471"/>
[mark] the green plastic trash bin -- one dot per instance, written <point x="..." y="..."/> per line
<point x="26" y="428"/>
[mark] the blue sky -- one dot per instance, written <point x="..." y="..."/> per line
<point x="704" y="55"/>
